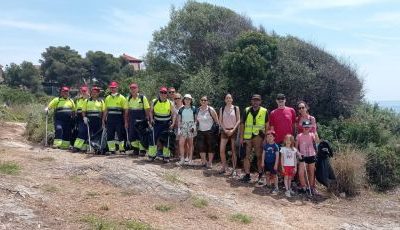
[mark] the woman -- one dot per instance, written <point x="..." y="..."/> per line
<point x="206" y="117"/>
<point x="177" y="104"/>
<point x="186" y="129"/>
<point x="229" y="118"/>
<point x="303" y="116"/>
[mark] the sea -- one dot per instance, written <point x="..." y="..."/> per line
<point x="395" y="105"/>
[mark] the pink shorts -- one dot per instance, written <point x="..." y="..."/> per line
<point x="288" y="171"/>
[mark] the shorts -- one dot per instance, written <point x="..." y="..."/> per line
<point x="206" y="142"/>
<point x="269" y="167"/>
<point x="232" y="137"/>
<point x="288" y="171"/>
<point x="308" y="160"/>
<point x="187" y="129"/>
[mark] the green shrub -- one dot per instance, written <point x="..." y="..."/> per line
<point x="15" y="96"/>
<point x="10" y="168"/>
<point x="383" y="166"/>
<point x="349" y="167"/>
<point x="199" y="202"/>
<point x="36" y="124"/>
<point x="242" y="218"/>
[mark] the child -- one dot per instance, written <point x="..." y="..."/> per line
<point x="288" y="162"/>
<point x="306" y="144"/>
<point x="270" y="160"/>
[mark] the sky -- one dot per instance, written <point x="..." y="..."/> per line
<point x="365" y="33"/>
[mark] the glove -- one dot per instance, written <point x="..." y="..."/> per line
<point x="46" y="110"/>
<point x="85" y="120"/>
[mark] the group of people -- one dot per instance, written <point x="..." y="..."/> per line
<point x="283" y="141"/>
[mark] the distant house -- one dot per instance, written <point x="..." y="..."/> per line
<point x="132" y="61"/>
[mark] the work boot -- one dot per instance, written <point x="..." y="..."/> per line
<point x="75" y="150"/>
<point x="142" y="153"/>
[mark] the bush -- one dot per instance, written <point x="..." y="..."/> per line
<point x="349" y="166"/>
<point x="36" y="124"/>
<point x="15" y="96"/>
<point x="383" y="166"/>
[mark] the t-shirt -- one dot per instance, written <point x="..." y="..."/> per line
<point x="306" y="144"/>
<point x="270" y="152"/>
<point x="289" y="156"/>
<point x="204" y="118"/>
<point x="187" y="114"/>
<point x="282" y="119"/>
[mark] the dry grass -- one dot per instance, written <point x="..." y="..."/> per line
<point x="349" y="167"/>
<point x="10" y="168"/>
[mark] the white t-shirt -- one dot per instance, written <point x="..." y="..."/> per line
<point x="289" y="156"/>
<point x="187" y="115"/>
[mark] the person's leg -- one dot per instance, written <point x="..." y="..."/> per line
<point x="182" y="141"/>
<point x="246" y="161"/>
<point x="302" y="175"/>
<point x="189" y="142"/>
<point x="67" y="129"/>
<point x="121" y="134"/>
<point x="81" y="138"/>
<point x="258" y="149"/>
<point x="58" y="133"/>
<point x="286" y="181"/>
<point x="111" y="135"/>
<point x="311" y="174"/>
<point x="222" y="149"/>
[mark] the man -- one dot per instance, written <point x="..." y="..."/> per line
<point x="93" y="110"/>
<point x="163" y="118"/>
<point x="171" y="93"/>
<point x="252" y="130"/>
<point x="63" y="118"/>
<point x="138" y="111"/>
<point x="282" y="120"/>
<point x="79" y="144"/>
<point x="113" y="118"/>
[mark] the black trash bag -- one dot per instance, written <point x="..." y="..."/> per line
<point x="164" y="139"/>
<point x="145" y="133"/>
<point x="323" y="170"/>
<point x="98" y="141"/>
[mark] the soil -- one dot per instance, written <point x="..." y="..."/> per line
<point x="57" y="189"/>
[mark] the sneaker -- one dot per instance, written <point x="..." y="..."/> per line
<point x="260" y="181"/>
<point x="142" y="153"/>
<point x="234" y="173"/>
<point x="189" y="163"/>
<point x="275" y="191"/>
<point x="152" y="158"/>
<point x="246" y="178"/>
<point x="301" y="190"/>
<point x="315" y="192"/>
<point x="166" y="159"/>
<point x="222" y="171"/>
<point x="181" y="162"/>
<point x="187" y="159"/>
<point x="288" y="194"/>
<point x="75" y="150"/>
<point x="292" y="192"/>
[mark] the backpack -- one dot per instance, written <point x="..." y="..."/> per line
<point x="192" y="108"/>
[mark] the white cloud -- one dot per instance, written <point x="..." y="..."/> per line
<point x="20" y="24"/>
<point x="386" y="18"/>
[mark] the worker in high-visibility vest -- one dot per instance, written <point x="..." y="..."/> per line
<point x="93" y="110"/>
<point x="138" y="111"/>
<point x="64" y="108"/>
<point x="113" y="118"/>
<point x="163" y="118"/>
<point x="252" y="132"/>
<point x="80" y="102"/>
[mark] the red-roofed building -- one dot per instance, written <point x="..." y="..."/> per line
<point x="133" y="61"/>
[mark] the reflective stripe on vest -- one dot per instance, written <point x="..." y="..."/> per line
<point x="114" y="110"/>
<point x="253" y="127"/>
<point x="162" y="110"/>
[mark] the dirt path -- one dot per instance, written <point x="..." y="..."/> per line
<point x="60" y="190"/>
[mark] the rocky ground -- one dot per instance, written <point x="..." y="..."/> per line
<point x="59" y="190"/>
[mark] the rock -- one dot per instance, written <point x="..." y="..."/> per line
<point x="342" y="195"/>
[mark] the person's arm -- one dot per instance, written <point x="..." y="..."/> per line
<point x="146" y="107"/>
<point x="105" y="113"/>
<point x="215" y="116"/>
<point x="263" y="159"/>
<point x="241" y="133"/>
<point x="237" y="117"/>
<point x="220" y="120"/>
<point x="276" y="160"/>
<point x="282" y="157"/>
<point x="173" y="115"/>
<point x="295" y="161"/>
<point x="316" y="139"/>
<point x="269" y="125"/>
<point x="293" y="121"/>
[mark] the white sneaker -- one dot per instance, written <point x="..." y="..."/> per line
<point x="292" y="192"/>
<point x="287" y="193"/>
<point x="275" y="191"/>
<point x="181" y="162"/>
<point x="189" y="162"/>
<point x="187" y="159"/>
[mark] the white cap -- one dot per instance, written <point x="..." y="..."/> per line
<point x="188" y="96"/>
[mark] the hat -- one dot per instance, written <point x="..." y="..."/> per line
<point x="64" y="89"/>
<point x="133" y="85"/>
<point x="280" y="96"/>
<point x="163" y="89"/>
<point x="95" y="88"/>
<point x="113" y="84"/>
<point x="256" y="96"/>
<point x="306" y="124"/>
<point x="84" y="88"/>
<point x="271" y="132"/>
<point x="188" y="96"/>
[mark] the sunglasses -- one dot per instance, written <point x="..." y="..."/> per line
<point x="163" y="92"/>
<point x="178" y="98"/>
<point x="302" y="107"/>
<point x="171" y="92"/>
<point x="203" y="100"/>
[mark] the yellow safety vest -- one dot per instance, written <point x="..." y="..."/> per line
<point x="94" y="107"/>
<point x="62" y="105"/>
<point x="253" y="127"/>
<point x="115" y="104"/>
<point x="162" y="110"/>
<point x="80" y="103"/>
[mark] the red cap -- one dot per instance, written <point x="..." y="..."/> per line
<point x="84" y="88"/>
<point x="64" y="89"/>
<point x="133" y="85"/>
<point x="113" y="84"/>
<point x="271" y="132"/>
<point x="163" y="89"/>
<point x="96" y="88"/>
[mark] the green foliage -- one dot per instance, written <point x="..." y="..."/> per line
<point x="100" y="223"/>
<point x="64" y="66"/>
<point x="25" y="76"/>
<point x="15" y="96"/>
<point x="104" y="67"/>
<point x="248" y="67"/>
<point x="241" y="218"/>
<point x="36" y="124"/>
<point x="163" y="207"/>
<point x="383" y="166"/>
<point x="199" y="202"/>
<point x="9" y="168"/>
